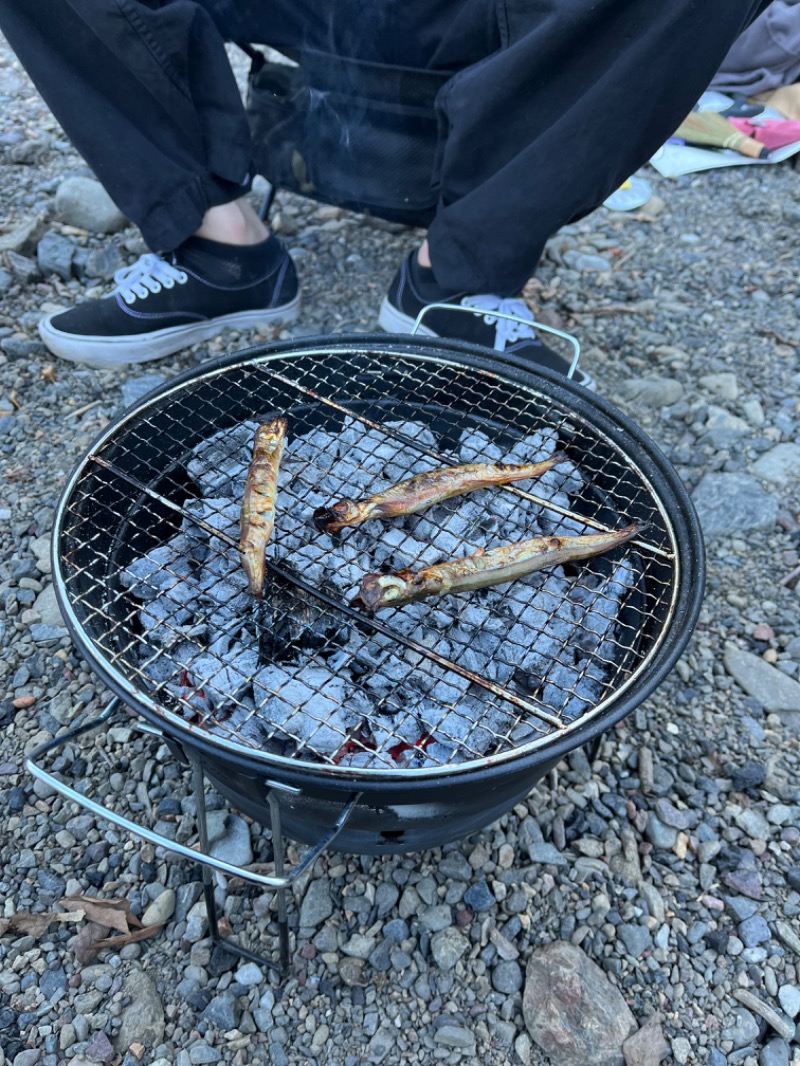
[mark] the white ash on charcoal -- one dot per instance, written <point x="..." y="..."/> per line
<point x="294" y="674"/>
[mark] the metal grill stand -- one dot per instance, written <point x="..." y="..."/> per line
<point x="279" y="883"/>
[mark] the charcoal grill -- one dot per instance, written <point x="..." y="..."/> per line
<point x="137" y="489"/>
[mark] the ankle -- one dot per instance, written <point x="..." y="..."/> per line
<point x="234" y="223"/>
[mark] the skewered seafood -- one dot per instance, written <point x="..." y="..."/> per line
<point x="424" y="490"/>
<point x="258" y="503"/>
<point x="484" y="568"/>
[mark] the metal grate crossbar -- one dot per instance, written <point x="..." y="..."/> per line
<point x="148" y="560"/>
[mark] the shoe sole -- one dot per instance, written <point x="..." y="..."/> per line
<point x="392" y="320"/>
<point x="111" y="352"/>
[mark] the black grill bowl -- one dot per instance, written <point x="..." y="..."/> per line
<point x="124" y="498"/>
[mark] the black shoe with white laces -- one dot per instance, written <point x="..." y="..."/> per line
<point x="414" y="288"/>
<point x="161" y="305"/>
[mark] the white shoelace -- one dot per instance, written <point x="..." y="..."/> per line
<point x="150" y="273"/>
<point x="507" y="331"/>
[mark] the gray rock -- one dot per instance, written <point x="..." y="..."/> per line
<point x="754" y="931"/>
<point x="54" y="254"/>
<point x="317" y="905"/>
<point x="447" y="947"/>
<point x="455" y="1036"/>
<point x="103" y="262"/>
<point x="547" y="853"/>
<point x="744" y="1028"/>
<point x="636" y="938"/>
<point x="507" y="977"/>
<point x="161" y="909"/>
<point x="647" y="1047"/>
<point x="83" y="202"/>
<point x="46" y="606"/>
<point x="775" y="1053"/>
<point x="200" y="1053"/>
<point x="249" y="975"/>
<point x="222" y="1012"/>
<point x="135" y="389"/>
<point x="229" y="838"/>
<point x="789" y="999"/>
<point x="585" y="261"/>
<point x="724" y="385"/>
<point x="774" y="690"/>
<point x="142" y="1020"/>
<point x="660" y="836"/>
<point x="780" y="465"/>
<point x="23" y="238"/>
<point x="730" y="504"/>
<point x="652" y="391"/>
<point x="571" y="1009"/>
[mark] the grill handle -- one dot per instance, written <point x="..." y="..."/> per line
<point x="573" y="366"/>
<point x="265" y="881"/>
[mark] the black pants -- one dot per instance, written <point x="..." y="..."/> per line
<point x="551" y="106"/>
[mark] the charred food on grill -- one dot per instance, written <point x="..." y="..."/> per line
<point x="258" y="502"/>
<point x="424" y="490"/>
<point x="484" y="568"/>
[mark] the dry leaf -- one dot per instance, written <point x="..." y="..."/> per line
<point x="26" y="923"/>
<point x="110" y="913"/>
<point x="48" y="374"/>
<point x="118" y="942"/>
<point x="84" y="943"/>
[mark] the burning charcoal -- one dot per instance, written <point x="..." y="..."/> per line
<point x="452" y="725"/>
<point x="244" y="723"/>
<point x="438" y="754"/>
<point x="310" y="446"/>
<point x="475" y="447"/>
<point x="533" y="448"/>
<point x="416" y="433"/>
<point x="223" y="458"/>
<point x="222" y="680"/>
<point x="192" y="702"/>
<point x="388" y="733"/>
<point x="162" y="621"/>
<point x="598" y="610"/>
<point x="567" y="693"/>
<point x="290" y="619"/>
<point x="312" y="711"/>
<point x="220" y="513"/>
<point x="147" y="576"/>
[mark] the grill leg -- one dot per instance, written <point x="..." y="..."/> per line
<point x="277" y="847"/>
<point x="593" y="748"/>
<point x="198" y="781"/>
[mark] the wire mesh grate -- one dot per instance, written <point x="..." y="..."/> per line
<point x="148" y="558"/>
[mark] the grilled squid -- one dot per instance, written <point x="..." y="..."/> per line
<point x="424" y="490"/>
<point x="484" y="568"/>
<point x="258" y="503"/>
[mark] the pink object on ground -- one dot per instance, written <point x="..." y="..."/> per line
<point x="774" y="133"/>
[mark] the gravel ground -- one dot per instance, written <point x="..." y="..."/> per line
<point x="672" y="862"/>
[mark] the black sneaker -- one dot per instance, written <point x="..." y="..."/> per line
<point x="404" y="302"/>
<point x="160" y="304"/>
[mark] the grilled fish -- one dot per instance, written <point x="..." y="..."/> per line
<point x="258" y="503"/>
<point x="424" y="490"/>
<point x="484" y="568"/>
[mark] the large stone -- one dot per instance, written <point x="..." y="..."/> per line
<point x="773" y="689"/>
<point x="652" y="391"/>
<point x="24" y="237"/>
<point x="647" y="1047"/>
<point x="83" y="202"/>
<point x="780" y="465"/>
<point x="571" y="1009"/>
<point x="143" y="1018"/>
<point x="729" y="504"/>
